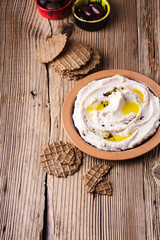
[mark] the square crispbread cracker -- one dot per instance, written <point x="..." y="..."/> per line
<point x="73" y="57"/>
<point x="90" y="65"/>
<point x="104" y="187"/>
<point x="93" y="176"/>
<point x="51" y="48"/>
<point x="57" y="167"/>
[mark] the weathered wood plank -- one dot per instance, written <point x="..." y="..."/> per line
<point x="73" y="213"/>
<point x="148" y="13"/>
<point x="28" y="123"/>
<point x="24" y="120"/>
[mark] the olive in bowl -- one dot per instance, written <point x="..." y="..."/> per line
<point x="90" y="15"/>
<point x="54" y="9"/>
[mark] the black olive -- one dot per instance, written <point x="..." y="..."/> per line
<point x="80" y="8"/>
<point x="80" y="15"/>
<point x="88" y="13"/>
<point x="78" y="11"/>
<point x="97" y="10"/>
<point x="53" y="6"/>
<point x="42" y="3"/>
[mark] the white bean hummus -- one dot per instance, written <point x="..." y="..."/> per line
<point x="116" y="113"/>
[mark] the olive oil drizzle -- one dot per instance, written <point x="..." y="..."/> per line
<point x="97" y="106"/>
<point x="116" y="138"/>
<point x="130" y="107"/>
<point x="137" y="91"/>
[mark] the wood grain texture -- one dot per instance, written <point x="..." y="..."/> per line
<point x="24" y="120"/>
<point x="32" y="95"/>
<point x="73" y="213"/>
<point x="148" y="17"/>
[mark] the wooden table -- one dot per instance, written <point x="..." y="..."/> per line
<point x="34" y="205"/>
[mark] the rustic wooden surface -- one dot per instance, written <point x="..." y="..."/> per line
<point x="34" y="205"/>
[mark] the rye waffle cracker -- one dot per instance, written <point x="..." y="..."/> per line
<point x="104" y="187"/>
<point x="51" y="48"/>
<point x="93" y="176"/>
<point x="54" y="165"/>
<point x="61" y="152"/>
<point x="90" y="65"/>
<point x="80" y="73"/>
<point x="73" y="57"/>
<point x="65" y="152"/>
<point x="68" y="75"/>
<point x="63" y="170"/>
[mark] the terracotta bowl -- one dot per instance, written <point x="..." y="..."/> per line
<point x="55" y="14"/>
<point x="72" y="133"/>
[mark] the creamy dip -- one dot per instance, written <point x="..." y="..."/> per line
<point x="116" y="113"/>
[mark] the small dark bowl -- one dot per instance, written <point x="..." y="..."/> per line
<point x="55" y="14"/>
<point x="91" y="25"/>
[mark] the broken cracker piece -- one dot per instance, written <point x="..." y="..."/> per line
<point x="93" y="176"/>
<point x="51" y="48"/>
<point x="61" y="152"/>
<point x="104" y="187"/>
